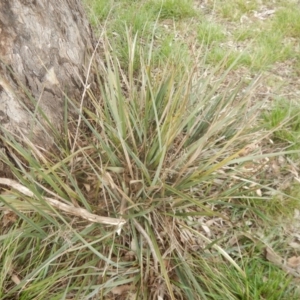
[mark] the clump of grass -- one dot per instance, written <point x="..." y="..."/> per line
<point x="262" y="281"/>
<point x="233" y="58"/>
<point x="244" y="33"/>
<point x="270" y="40"/>
<point x="270" y="48"/>
<point x="284" y="120"/>
<point x="99" y="10"/>
<point x="140" y="18"/>
<point x="287" y="20"/>
<point x="137" y="18"/>
<point x="165" y="146"/>
<point x="158" y="151"/>
<point x="233" y="10"/>
<point x="169" y="50"/>
<point x="172" y="9"/>
<point x="209" y="33"/>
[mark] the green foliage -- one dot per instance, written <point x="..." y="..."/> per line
<point x="209" y="32"/>
<point x="165" y="144"/>
<point x="172" y="9"/>
<point x="262" y="281"/>
<point x="98" y="10"/>
<point x="287" y="21"/>
<point x="234" y="9"/>
<point x="267" y="50"/>
<point x="284" y="120"/>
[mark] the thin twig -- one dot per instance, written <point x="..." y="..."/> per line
<point x="80" y="212"/>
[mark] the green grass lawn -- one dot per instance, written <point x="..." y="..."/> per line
<point x="192" y="147"/>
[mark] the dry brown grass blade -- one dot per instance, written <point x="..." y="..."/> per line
<point x="79" y="212"/>
<point x="278" y="261"/>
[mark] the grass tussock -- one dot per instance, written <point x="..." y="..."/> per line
<point x="186" y="154"/>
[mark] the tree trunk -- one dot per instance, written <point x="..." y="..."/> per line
<point x="43" y="57"/>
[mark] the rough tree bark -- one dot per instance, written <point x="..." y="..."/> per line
<point x="43" y="55"/>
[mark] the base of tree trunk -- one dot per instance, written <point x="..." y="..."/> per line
<point x="43" y="60"/>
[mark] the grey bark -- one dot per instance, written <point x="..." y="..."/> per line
<point x="43" y="54"/>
